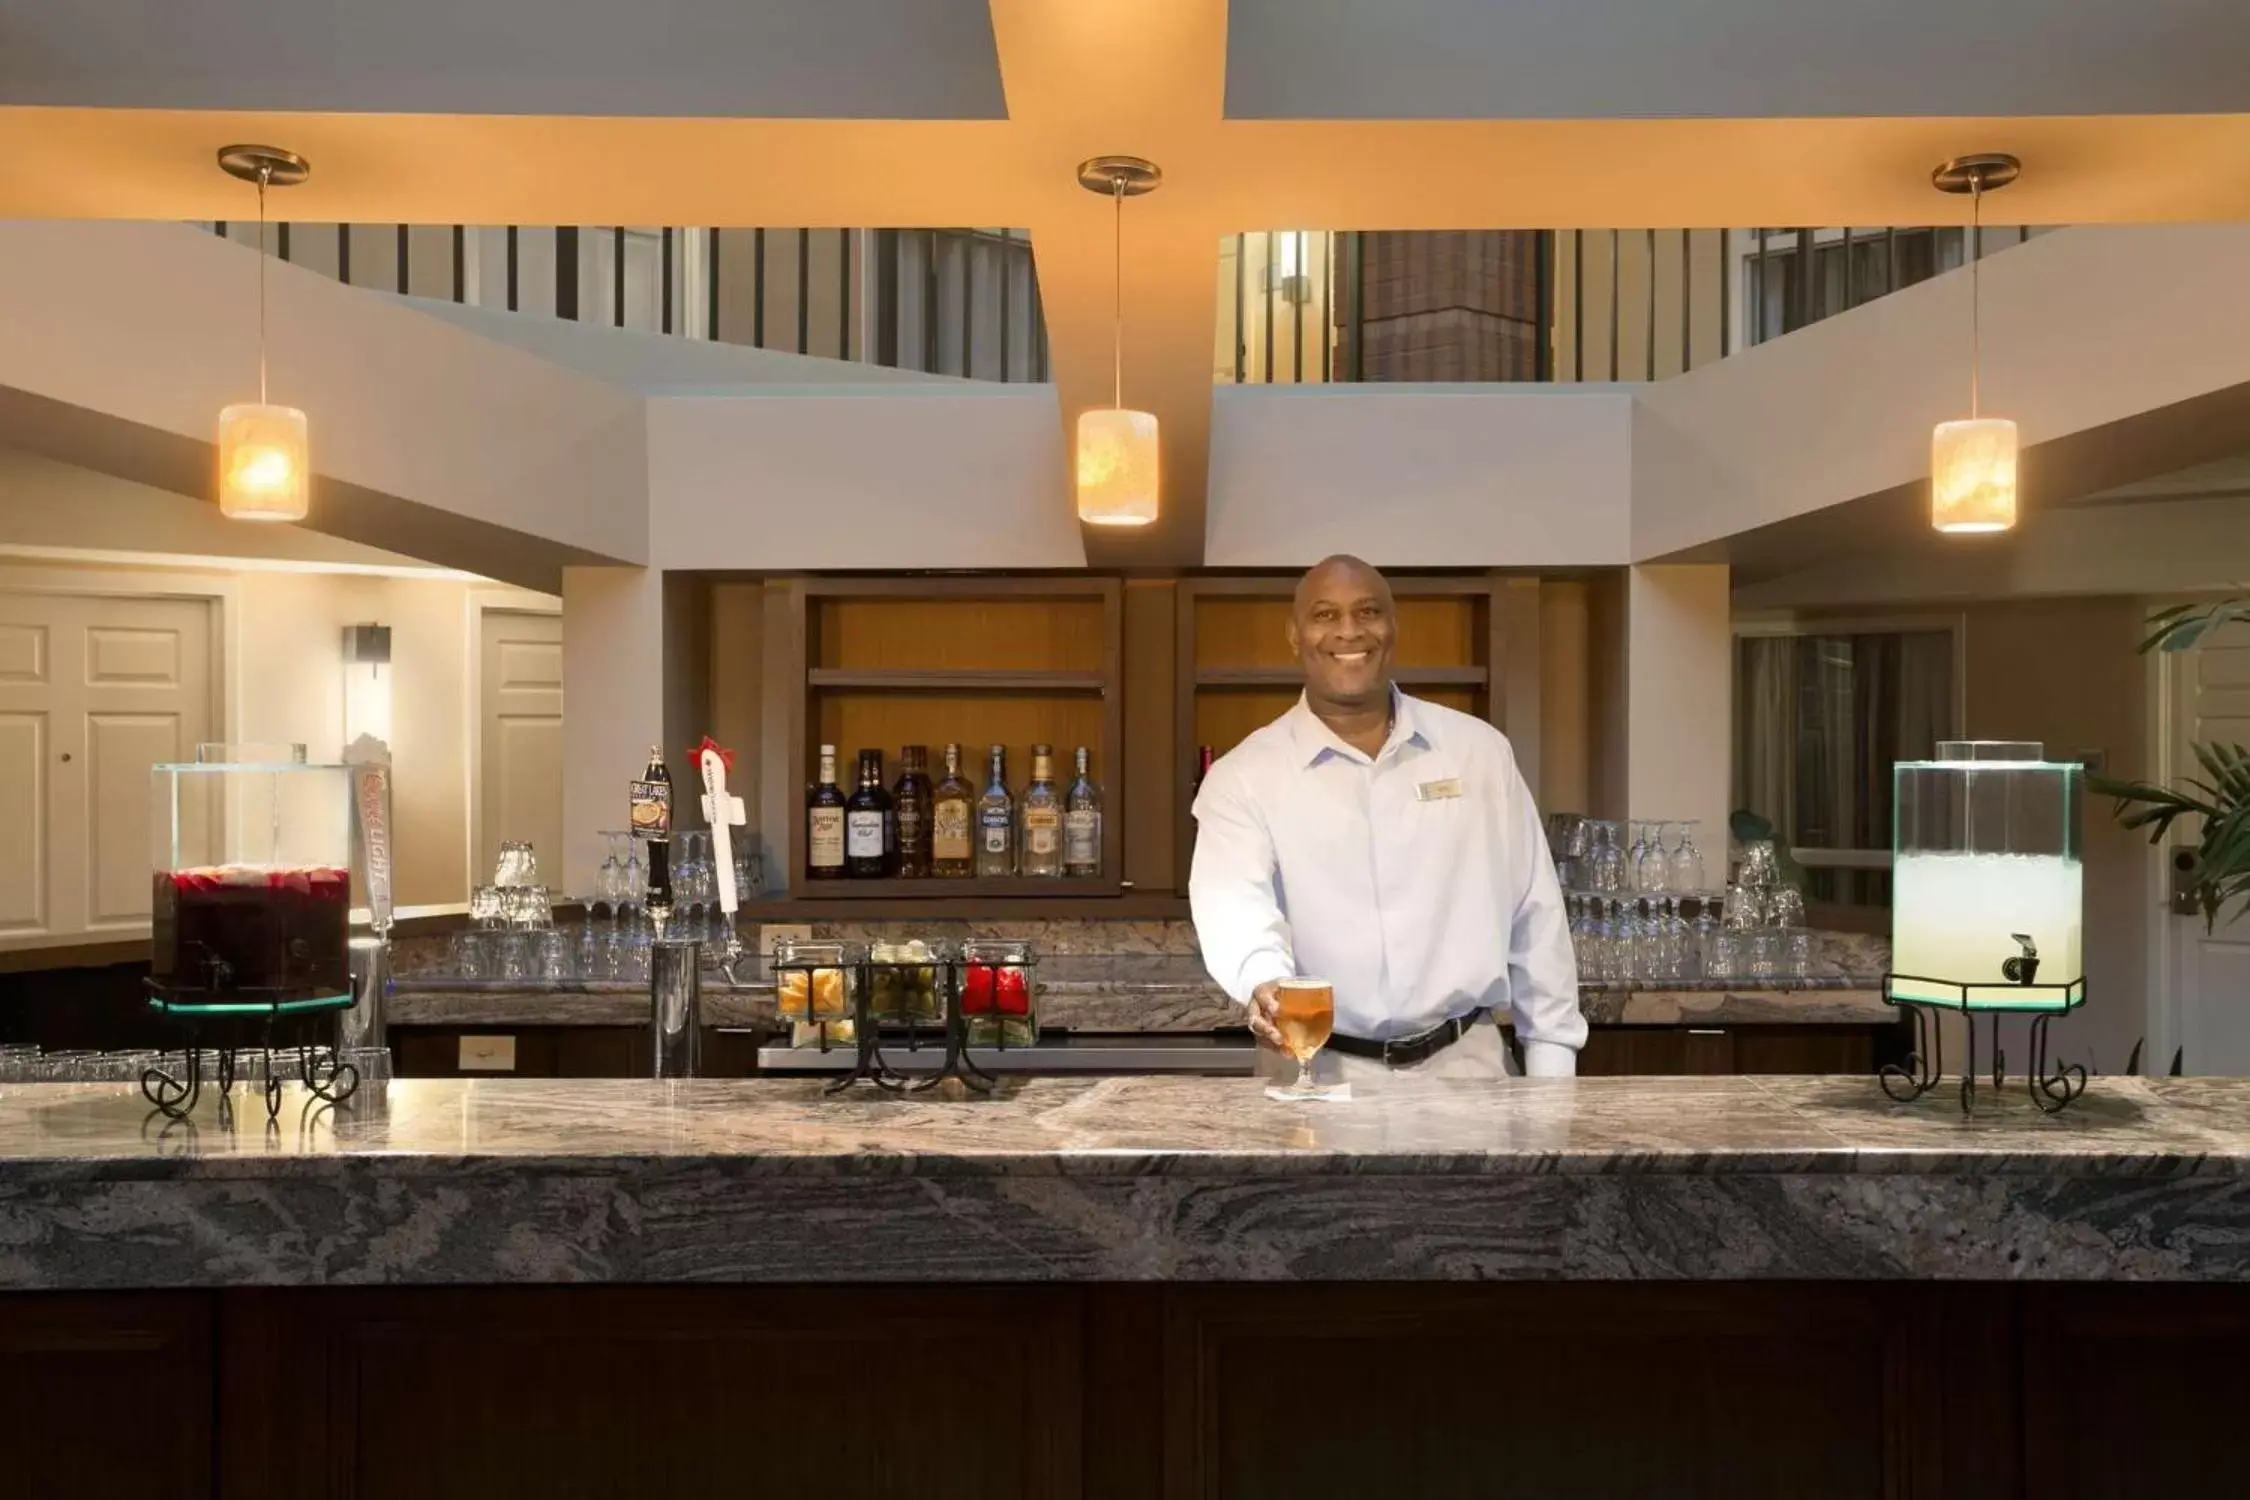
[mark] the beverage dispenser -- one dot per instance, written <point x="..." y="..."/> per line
<point x="250" y="917"/>
<point x="1987" y="903"/>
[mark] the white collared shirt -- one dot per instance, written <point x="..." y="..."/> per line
<point x="1418" y="882"/>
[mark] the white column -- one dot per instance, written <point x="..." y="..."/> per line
<point x="1679" y="699"/>
<point x="613" y="702"/>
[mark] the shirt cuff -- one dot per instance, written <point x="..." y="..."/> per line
<point x="1549" y="1060"/>
<point x="1258" y="969"/>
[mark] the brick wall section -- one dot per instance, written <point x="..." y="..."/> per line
<point x="1448" y="305"/>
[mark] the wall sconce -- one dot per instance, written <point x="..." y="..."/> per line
<point x="367" y="683"/>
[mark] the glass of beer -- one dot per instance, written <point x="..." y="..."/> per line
<point x="1306" y="1015"/>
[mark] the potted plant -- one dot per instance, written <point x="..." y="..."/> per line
<point x="2219" y="799"/>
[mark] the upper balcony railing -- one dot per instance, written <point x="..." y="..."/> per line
<point x="1295" y="306"/>
<point x="961" y="302"/>
<point x="1307" y="306"/>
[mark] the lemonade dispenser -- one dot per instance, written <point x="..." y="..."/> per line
<point x="1987" y="900"/>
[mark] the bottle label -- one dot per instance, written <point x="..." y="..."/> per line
<point x="1042" y="831"/>
<point x="827" y="842"/>
<point x="949" y="831"/>
<point x="1082" y="837"/>
<point x="863" y="835"/>
<point x="652" y="806"/>
<point x="995" y="826"/>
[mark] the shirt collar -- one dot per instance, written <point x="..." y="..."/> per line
<point x="1314" y="739"/>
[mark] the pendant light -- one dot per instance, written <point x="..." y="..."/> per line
<point x="264" y="473"/>
<point x="1973" y="462"/>
<point x="1117" y="448"/>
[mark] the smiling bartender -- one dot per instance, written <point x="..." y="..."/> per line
<point x="1390" y="846"/>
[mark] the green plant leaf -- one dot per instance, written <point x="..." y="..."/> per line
<point x="2182" y="626"/>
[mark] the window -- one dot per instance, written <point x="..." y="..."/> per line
<point x="1820" y="720"/>
<point x="1849" y="267"/>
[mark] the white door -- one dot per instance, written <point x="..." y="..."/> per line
<point x="94" y="689"/>
<point x="520" y="740"/>
<point x="2211" y="971"/>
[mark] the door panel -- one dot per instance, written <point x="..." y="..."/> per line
<point x="119" y="750"/>
<point x="23" y="653"/>
<point x="94" y="689"/>
<point x="519" y="775"/>
<point x="23" y="823"/>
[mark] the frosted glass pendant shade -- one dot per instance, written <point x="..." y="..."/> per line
<point x="264" y="472"/>
<point x="1116" y="467"/>
<point x="1973" y="475"/>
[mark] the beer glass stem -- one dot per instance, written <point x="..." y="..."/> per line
<point x="1304" y="1074"/>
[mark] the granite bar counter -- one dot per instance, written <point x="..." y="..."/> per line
<point x="1125" y="1179"/>
<point x="1127" y="1287"/>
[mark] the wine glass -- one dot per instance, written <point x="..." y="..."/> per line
<point x="1652" y="867"/>
<point x="1687" y="861"/>
<point x="1306" y="1015"/>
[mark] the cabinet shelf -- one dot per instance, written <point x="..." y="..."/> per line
<point x="964" y="680"/>
<point x="1270" y="677"/>
<point x="974" y="886"/>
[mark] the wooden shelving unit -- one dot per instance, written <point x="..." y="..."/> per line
<point x="1235" y="672"/>
<point x="881" y="663"/>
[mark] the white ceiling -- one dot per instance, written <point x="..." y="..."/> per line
<point x="1740" y="59"/>
<point x="830" y="59"/>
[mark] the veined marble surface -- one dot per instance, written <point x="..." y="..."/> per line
<point x="479" y="1182"/>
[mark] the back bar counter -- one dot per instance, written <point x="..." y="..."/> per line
<point x="1126" y="1286"/>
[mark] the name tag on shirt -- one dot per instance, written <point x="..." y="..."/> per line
<point x="1437" y="791"/>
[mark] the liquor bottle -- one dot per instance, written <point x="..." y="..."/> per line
<point x="1039" y="848"/>
<point x="870" y="826"/>
<point x="996" y="820"/>
<point x="824" y="822"/>
<point x="952" y="814"/>
<point x="912" y="794"/>
<point x="1202" y="765"/>
<point x="1082" y="823"/>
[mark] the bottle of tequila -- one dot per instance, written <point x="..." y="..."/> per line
<point x="1082" y="822"/>
<point x="996" y="820"/>
<point x="953" y="821"/>
<point x="1040" y="847"/>
<point x="912" y="794"/>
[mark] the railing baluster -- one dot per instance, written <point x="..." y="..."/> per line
<point x="758" y="302"/>
<point x="1760" y="285"/>
<point x="968" y="305"/>
<point x="1543" y="304"/>
<point x="887" y="313"/>
<point x="617" y="277"/>
<point x="711" y="286"/>
<point x="930" y="359"/>
<point x="1328" y="306"/>
<point x="1687" y="301"/>
<point x="1651" y="350"/>
<point x="1297" y="310"/>
<point x="664" y="282"/>
<point x="281" y="239"/>
<point x="404" y="260"/>
<point x="1007" y="294"/>
<point x="1890" y="255"/>
<point x="1804" y="279"/>
<point x="1578" y="305"/>
<point x="344" y="253"/>
<point x="566" y="271"/>
<point x="1267" y="276"/>
<point x="804" y="292"/>
<point x="844" y="295"/>
<point x="460" y="263"/>
<point x="512" y="271"/>
<point x="1616" y="369"/>
<point x="1241" y="309"/>
<point x="1851" y="270"/>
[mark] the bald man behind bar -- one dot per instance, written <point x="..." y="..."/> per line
<point x="1388" y="845"/>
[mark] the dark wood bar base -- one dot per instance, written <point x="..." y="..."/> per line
<point x="1115" y="1391"/>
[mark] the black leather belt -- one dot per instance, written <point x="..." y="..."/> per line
<point x="1406" y="1051"/>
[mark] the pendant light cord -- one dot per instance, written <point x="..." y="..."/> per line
<point x="1976" y="296"/>
<point x="1117" y="265"/>
<point x="265" y="174"/>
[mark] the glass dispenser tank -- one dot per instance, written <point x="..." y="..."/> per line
<point x="1987" y="909"/>
<point x="252" y="885"/>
